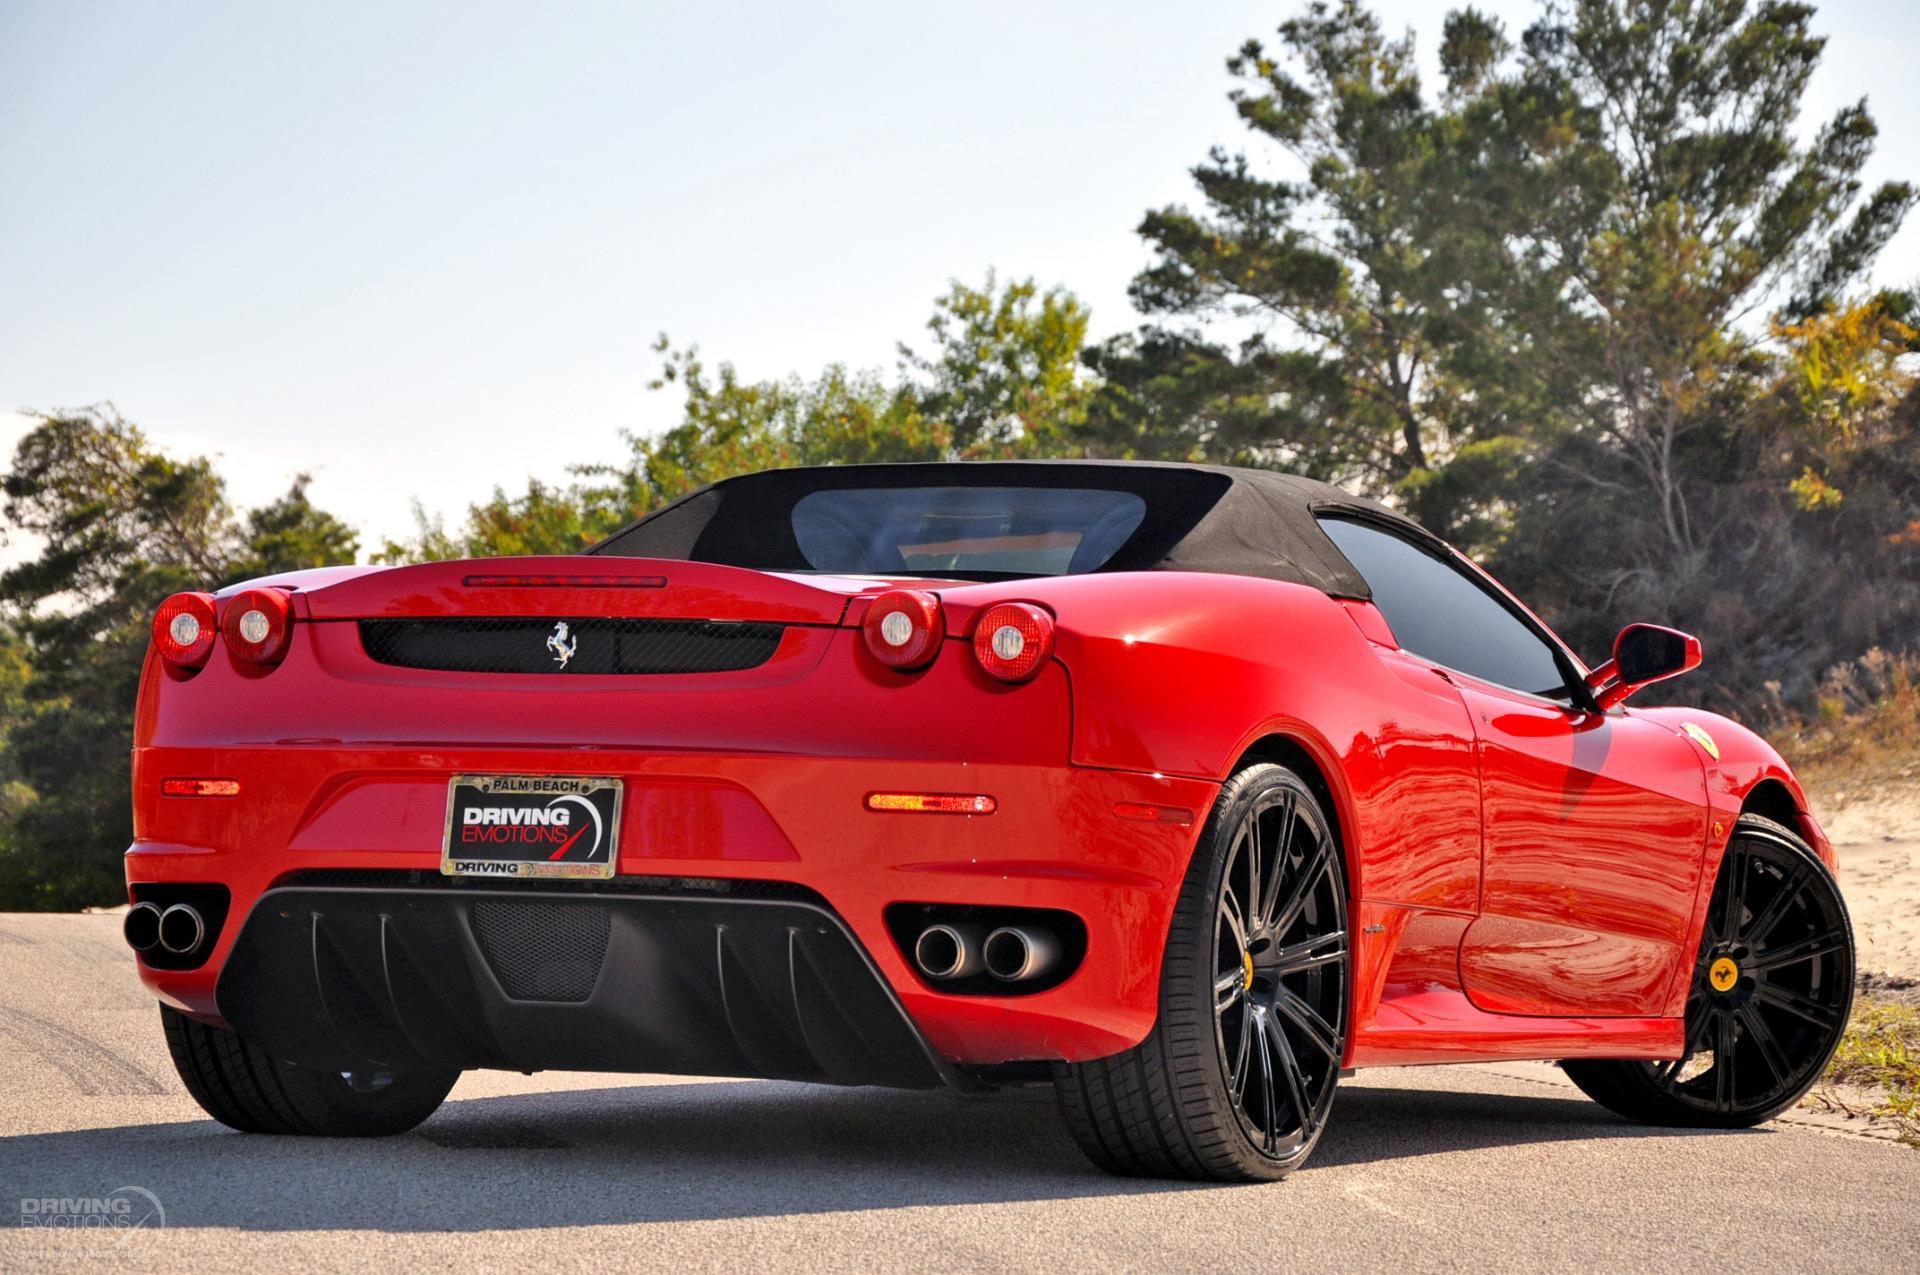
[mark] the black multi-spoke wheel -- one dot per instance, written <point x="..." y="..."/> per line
<point x="1280" y="961"/>
<point x="1772" y="988"/>
<point x="1237" y="1077"/>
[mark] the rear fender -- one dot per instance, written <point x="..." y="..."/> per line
<point x="1178" y="672"/>
<point x="1185" y="674"/>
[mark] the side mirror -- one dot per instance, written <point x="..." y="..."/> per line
<point x="1642" y="655"/>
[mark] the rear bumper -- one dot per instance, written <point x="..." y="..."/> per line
<point x="585" y="980"/>
<point x="1054" y="842"/>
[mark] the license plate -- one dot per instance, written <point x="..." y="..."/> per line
<point x="531" y="826"/>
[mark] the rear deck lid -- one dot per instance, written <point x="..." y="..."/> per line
<point x="583" y="588"/>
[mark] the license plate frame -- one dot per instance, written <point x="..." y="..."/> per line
<point x="590" y="804"/>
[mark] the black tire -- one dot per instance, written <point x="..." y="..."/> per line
<point x="245" y="1089"/>
<point x="1772" y="988"/>
<point x="1235" y="1081"/>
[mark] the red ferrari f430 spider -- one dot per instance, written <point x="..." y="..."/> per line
<point x="1184" y="789"/>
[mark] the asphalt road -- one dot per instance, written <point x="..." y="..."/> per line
<point x="1488" y="1168"/>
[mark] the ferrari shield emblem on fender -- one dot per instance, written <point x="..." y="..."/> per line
<point x="1700" y="737"/>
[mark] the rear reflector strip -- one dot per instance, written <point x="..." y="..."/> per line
<point x="930" y="803"/>
<point x="565" y="582"/>
<point x="1174" y="815"/>
<point x="200" y="787"/>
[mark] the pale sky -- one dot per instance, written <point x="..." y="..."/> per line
<point x="420" y="249"/>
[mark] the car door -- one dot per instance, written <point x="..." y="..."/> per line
<point x="1593" y="825"/>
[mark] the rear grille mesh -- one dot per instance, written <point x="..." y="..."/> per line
<point x="543" y="951"/>
<point x="594" y="646"/>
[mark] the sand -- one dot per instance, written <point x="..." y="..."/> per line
<point x="1876" y="834"/>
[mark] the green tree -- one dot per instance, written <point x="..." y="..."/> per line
<point x="292" y="535"/>
<point x="1572" y="308"/>
<point x="1000" y="378"/>
<point x="122" y="526"/>
<point x="1003" y="377"/>
<point x="542" y="519"/>
<point x="15" y="796"/>
<point x="1706" y="239"/>
<point x="1566" y="241"/>
<point x="1712" y="215"/>
<point x="1325" y="267"/>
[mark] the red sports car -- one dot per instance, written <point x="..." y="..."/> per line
<point x="1187" y="789"/>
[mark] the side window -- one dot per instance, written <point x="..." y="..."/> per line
<point x="1438" y="612"/>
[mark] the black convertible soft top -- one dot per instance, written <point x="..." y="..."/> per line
<point x="1248" y="522"/>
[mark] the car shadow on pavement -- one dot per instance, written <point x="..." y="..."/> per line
<point x="1375" y="1123"/>
<point x="704" y="1151"/>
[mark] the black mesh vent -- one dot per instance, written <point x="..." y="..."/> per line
<point x="543" y="951"/>
<point x="593" y="646"/>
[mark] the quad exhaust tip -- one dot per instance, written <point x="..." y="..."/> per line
<point x="181" y="931"/>
<point x="1011" y="953"/>
<point x="141" y="928"/>
<point x="1016" y="953"/>
<point x="949" y="951"/>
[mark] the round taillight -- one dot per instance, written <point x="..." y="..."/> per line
<point x="1012" y="640"/>
<point x="904" y="628"/>
<point x="257" y="624"/>
<point x="183" y="629"/>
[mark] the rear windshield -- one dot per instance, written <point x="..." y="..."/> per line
<point x="982" y="520"/>
<point x="964" y="530"/>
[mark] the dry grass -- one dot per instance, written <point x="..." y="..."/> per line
<point x="1848" y="747"/>
<point x="1879" y="1059"/>
<point x="1861" y="751"/>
